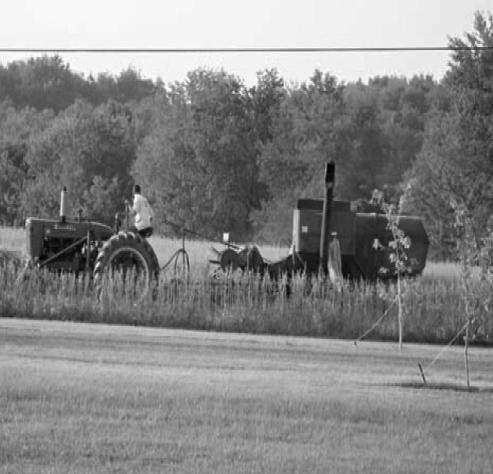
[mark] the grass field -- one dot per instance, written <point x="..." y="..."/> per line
<point x="96" y="398"/>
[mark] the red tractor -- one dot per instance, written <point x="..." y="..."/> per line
<point x="81" y="245"/>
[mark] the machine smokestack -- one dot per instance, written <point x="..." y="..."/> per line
<point x="324" y="234"/>
<point x="63" y="204"/>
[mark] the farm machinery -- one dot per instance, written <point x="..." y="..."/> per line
<point x="81" y="245"/>
<point x="318" y="224"/>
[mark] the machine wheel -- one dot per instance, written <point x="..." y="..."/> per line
<point x="127" y="252"/>
<point x="229" y="261"/>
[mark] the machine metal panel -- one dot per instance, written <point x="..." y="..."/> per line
<point x="307" y="225"/>
<point x="343" y="224"/>
<point x="318" y="204"/>
<point x="296" y="229"/>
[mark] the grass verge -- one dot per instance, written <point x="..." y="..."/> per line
<point x="92" y="398"/>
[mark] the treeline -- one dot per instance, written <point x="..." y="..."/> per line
<point x="48" y="83"/>
<point x="214" y="155"/>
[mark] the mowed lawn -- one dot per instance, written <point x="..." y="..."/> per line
<point x="96" y="398"/>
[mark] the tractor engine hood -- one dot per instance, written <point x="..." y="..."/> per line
<point x="38" y="229"/>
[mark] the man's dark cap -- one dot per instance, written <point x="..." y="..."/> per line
<point x="137" y="189"/>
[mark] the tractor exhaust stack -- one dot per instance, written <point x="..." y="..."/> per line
<point x="324" y="234"/>
<point x="63" y="204"/>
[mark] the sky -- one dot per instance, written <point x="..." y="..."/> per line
<point x="251" y="23"/>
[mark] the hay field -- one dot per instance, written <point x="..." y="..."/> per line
<point x="434" y="303"/>
<point x="96" y="398"/>
<point x="14" y="239"/>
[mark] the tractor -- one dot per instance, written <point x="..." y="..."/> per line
<point x="82" y="246"/>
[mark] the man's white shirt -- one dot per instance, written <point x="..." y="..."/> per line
<point x="143" y="212"/>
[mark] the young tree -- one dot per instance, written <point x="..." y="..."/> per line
<point x="477" y="289"/>
<point x="396" y="248"/>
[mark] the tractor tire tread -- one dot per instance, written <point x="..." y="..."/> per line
<point x="135" y="241"/>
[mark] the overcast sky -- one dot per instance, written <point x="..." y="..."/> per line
<point x="247" y="23"/>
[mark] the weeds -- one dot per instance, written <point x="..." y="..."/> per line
<point x="434" y="302"/>
<point x="244" y="303"/>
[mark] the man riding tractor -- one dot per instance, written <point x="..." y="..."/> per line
<point x="143" y="213"/>
<point x="82" y="246"/>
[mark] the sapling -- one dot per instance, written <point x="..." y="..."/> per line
<point x="396" y="248"/>
<point x="472" y="253"/>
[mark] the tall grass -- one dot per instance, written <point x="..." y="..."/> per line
<point x="12" y="239"/>
<point x="244" y="303"/>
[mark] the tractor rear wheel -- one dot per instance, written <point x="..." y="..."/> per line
<point x="127" y="253"/>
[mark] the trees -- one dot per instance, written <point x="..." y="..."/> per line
<point x="214" y="155"/>
<point x="368" y="150"/>
<point x="373" y="132"/>
<point x="455" y="166"/>
<point x="307" y="131"/>
<point x="199" y="161"/>
<point x="166" y="164"/>
<point x="47" y="82"/>
<point x="87" y="149"/>
<point x="403" y="107"/>
<point x="42" y="83"/>
<point x="224" y="141"/>
<point x="267" y="97"/>
<point x="127" y="86"/>
<point x="17" y="129"/>
<point x="471" y="81"/>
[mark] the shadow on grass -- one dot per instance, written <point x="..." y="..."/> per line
<point x="441" y="386"/>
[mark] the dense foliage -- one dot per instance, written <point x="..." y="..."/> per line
<point x="454" y="169"/>
<point x="216" y="155"/>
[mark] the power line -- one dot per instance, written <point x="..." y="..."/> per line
<point x="246" y="50"/>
